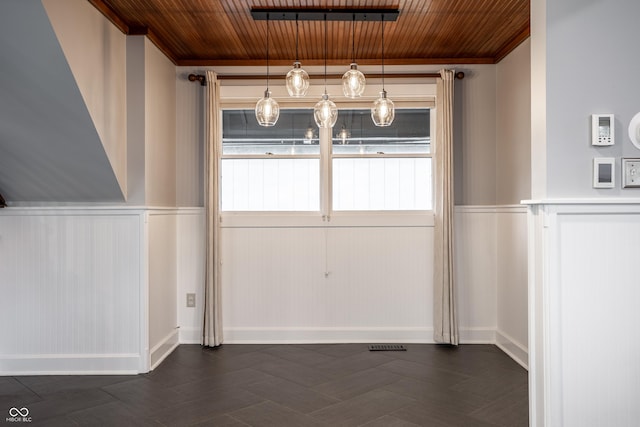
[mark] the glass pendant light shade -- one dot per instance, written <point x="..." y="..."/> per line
<point x="382" y="111"/>
<point x="353" y="82"/>
<point x="325" y="112"/>
<point x="267" y="110"/>
<point x="297" y="81"/>
<point x="343" y="135"/>
<point x="308" y="136"/>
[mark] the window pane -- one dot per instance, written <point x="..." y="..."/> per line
<point x="409" y="133"/>
<point x="270" y="185"/>
<point x="294" y="133"/>
<point x="382" y="184"/>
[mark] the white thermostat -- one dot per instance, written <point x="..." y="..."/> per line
<point x="602" y="129"/>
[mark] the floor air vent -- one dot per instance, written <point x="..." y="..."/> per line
<point x="387" y="347"/>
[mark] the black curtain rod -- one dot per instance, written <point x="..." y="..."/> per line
<point x="203" y="80"/>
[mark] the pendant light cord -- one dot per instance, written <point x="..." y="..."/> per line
<point x="297" y="37"/>
<point x="353" y="38"/>
<point x="325" y="53"/>
<point x="383" y="52"/>
<point x="267" y="51"/>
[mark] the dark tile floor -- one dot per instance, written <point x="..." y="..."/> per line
<point x="288" y="385"/>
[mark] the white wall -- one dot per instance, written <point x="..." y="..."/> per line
<point x="492" y="174"/>
<point x="151" y="125"/>
<point x="269" y="294"/>
<point x="160" y="128"/>
<point x="513" y="184"/>
<point x="136" y="120"/>
<point x="513" y="126"/>
<point x="475" y="136"/>
<point x="96" y="52"/>
<point x="189" y="141"/>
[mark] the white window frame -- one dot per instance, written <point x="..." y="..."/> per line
<point x="243" y="96"/>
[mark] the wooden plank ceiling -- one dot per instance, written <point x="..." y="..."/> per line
<point x="222" y="32"/>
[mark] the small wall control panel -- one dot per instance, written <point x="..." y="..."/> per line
<point x="602" y="129"/>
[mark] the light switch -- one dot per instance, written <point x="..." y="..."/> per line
<point x="630" y="173"/>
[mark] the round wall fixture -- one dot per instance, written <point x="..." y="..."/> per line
<point x="634" y="130"/>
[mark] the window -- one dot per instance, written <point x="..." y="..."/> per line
<point x="270" y="168"/>
<point x="282" y="168"/>
<point x="386" y="168"/>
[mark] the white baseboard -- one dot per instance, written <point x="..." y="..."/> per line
<point x="326" y="335"/>
<point x="128" y="364"/>
<point x="164" y="348"/>
<point x="513" y="349"/>
<point x="415" y="335"/>
<point x="477" y="335"/>
<point x="69" y="364"/>
<point x="190" y="335"/>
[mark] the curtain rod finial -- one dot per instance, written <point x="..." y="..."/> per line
<point x="459" y="75"/>
<point x="198" y="77"/>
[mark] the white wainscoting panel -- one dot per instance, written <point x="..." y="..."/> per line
<point x="357" y="284"/>
<point x="585" y="333"/>
<point x="163" y="317"/>
<point x="70" y="291"/>
<point x="351" y="284"/>
<point x="511" y="282"/>
<point x="190" y="272"/>
<point x="475" y="269"/>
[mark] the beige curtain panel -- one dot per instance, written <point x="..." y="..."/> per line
<point x="212" y="330"/>
<point x="445" y="327"/>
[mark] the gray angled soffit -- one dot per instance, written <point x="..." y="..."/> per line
<point x="50" y="150"/>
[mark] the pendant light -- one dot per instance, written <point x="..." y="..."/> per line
<point x="308" y="136"/>
<point x="267" y="108"/>
<point x="382" y="110"/>
<point x="343" y="135"/>
<point x="353" y="81"/>
<point x="297" y="78"/>
<point x="325" y="111"/>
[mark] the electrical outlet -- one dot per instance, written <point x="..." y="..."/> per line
<point x="630" y="173"/>
<point x="191" y="300"/>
